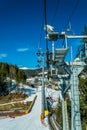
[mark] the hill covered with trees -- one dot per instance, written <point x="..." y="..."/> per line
<point x="10" y="72"/>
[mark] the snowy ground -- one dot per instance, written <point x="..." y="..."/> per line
<point x="31" y="92"/>
<point x="55" y="95"/>
<point x="30" y="121"/>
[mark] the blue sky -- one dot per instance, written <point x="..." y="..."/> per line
<point x="22" y="27"/>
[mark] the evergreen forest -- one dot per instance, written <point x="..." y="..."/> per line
<point x="9" y="73"/>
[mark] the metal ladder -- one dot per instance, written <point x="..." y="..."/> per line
<point x="76" y="121"/>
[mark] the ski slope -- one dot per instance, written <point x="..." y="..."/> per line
<point x="30" y="121"/>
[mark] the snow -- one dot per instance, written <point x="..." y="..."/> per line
<point x="30" y="121"/>
<point x="55" y="95"/>
<point x="24" y="68"/>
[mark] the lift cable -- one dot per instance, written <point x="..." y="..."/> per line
<point x="56" y="11"/>
<point x="45" y="23"/>
<point x="72" y="13"/>
<point x="68" y="27"/>
<point x="41" y="31"/>
<point x="41" y="35"/>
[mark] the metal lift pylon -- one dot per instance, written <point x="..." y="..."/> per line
<point x="75" y="109"/>
<point x="58" y="60"/>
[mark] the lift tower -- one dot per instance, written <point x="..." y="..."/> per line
<point x="73" y="71"/>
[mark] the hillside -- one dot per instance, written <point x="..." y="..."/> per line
<point x="32" y="72"/>
<point x="11" y="71"/>
<point x="8" y="73"/>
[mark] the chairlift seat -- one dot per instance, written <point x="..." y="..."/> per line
<point x="60" y="55"/>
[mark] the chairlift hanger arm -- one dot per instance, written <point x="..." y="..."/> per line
<point x="72" y="37"/>
<point x="55" y="36"/>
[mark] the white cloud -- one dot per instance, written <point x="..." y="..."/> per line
<point x="22" y="49"/>
<point x="3" y="55"/>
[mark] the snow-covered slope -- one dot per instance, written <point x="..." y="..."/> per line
<point x="30" y="121"/>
